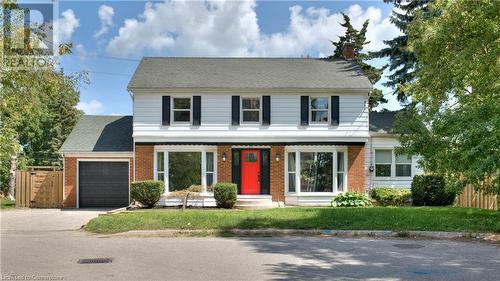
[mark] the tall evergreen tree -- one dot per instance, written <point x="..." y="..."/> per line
<point x="402" y="61"/>
<point x="358" y="38"/>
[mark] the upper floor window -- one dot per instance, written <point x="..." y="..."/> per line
<point x="182" y="110"/>
<point x="319" y="110"/>
<point x="250" y="110"/>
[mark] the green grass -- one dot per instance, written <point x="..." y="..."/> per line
<point x="6" y="203"/>
<point x="377" y="218"/>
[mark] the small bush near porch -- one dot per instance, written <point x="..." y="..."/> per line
<point x="377" y="218"/>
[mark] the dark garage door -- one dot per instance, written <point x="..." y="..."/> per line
<point x="103" y="184"/>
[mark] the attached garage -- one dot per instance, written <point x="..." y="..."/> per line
<point x="98" y="163"/>
<point x="103" y="184"/>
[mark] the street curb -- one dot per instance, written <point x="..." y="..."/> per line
<point x="305" y="232"/>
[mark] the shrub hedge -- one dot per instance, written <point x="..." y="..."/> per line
<point x="430" y="190"/>
<point x="225" y="194"/>
<point x="147" y="193"/>
<point x="390" y="196"/>
<point x="351" y="199"/>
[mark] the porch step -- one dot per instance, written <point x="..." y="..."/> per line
<point x="254" y="203"/>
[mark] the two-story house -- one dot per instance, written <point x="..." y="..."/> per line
<point x="289" y="130"/>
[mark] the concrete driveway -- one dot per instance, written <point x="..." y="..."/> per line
<point x="50" y="247"/>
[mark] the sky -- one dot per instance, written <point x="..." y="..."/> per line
<point x="110" y="37"/>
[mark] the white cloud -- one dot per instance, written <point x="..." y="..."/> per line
<point x="105" y="14"/>
<point x="230" y="28"/>
<point x="65" y="27"/>
<point x="92" y="107"/>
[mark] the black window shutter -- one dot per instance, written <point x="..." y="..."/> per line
<point x="304" y="110"/>
<point x="335" y="112"/>
<point x="165" y="110"/>
<point x="235" y="110"/>
<point x="236" y="168"/>
<point x="196" y="110"/>
<point x="266" y="110"/>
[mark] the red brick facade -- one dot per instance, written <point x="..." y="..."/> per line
<point x="144" y="166"/>
<point x="224" y="168"/>
<point x="278" y="173"/>
<point x="70" y="180"/>
<point x="356" y="166"/>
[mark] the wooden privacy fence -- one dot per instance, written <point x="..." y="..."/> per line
<point x="39" y="189"/>
<point x="477" y="199"/>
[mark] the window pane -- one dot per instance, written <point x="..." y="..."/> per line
<point x="210" y="179"/>
<point x="182" y="116"/>
<point x="383" y="156"/>
<point x="382" y="170"/>
<point x="210" y="161"/>
<point x="184" y="169"/>
<point x="250" y="157"/>
<point x="319" y="116"/>
<point x="250" y="103"/>
<point x="291" y="161"/>
<point x="182" y="103"/>
<point x="319" y="103"/>
<point x="403" y="170"/>
<point x="316" y="171"/>
<point x="160" y="161"/>
<point x="291" y="182"/>
<point x="160" y="176"/>
<point x="250" y="116"/>
<point x="340" y="161"/>
<point x="340" y="182"/>
<point x="403" y="158"/>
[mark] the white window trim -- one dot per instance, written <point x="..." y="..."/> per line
<point x="241" y="110"/>
<point x="331" y="149"/>
<point x="311" y="122"/>
<point x="186" y="148"/>
<point x="393" y="166"/>
<point x="172" y="110"/>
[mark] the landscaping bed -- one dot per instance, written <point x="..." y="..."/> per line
<point x="376" y="218"/>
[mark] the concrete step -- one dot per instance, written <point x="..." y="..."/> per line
<point x="255" y="203"/>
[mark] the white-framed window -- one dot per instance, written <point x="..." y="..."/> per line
<point x="319" y="109"/>
<point x="403" y="165"/>
<point x="183" y="166"/>
<point x="389" y="164"/>
<point x="181" y="109"/>
<point x="250" y="109"/>
<point x="383" y="162"/>
<point x="316" y="170"/>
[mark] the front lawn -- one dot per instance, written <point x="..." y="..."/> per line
<point x="377" y="218"/>
<point x="6" y="203"/>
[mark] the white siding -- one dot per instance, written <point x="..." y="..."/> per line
<point x="386" y="143"/>
<point x="216" y="120"/>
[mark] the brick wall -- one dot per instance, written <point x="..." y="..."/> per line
<point x="277" y="173"/>
<point x="356" y="165"/>
<point x="224" y="173"/>
<point x="70" y="180"/>
<point x="144" y="166"/>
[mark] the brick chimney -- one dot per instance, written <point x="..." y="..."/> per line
<point x="348" y="51"/>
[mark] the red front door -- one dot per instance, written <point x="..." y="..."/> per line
<point x="250" y="171"/>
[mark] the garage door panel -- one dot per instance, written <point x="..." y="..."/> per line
<point x="103" y="184"/>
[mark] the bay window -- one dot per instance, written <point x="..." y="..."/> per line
<point x="316" y="170"/>
<point x="181" y="167"/>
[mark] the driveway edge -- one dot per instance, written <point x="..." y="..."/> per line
<point x="306" y="232"/>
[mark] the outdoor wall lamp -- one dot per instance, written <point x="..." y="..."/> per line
<point x="224" y="157"/>
<point x="371" y="169"/>
<point x="278" y="156"/>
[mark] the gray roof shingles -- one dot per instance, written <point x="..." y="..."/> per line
<point x="102" y="133"/>
<point x="169" y="72"/>
<point x="382" y="122"/>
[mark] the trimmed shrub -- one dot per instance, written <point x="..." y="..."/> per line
<point x="225" y="194"/>
<point x="389" y="196"/>
<point x="430" y="190"/>
<point x="351" y="199"/>
<point x="147" y="193"/>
